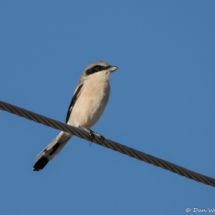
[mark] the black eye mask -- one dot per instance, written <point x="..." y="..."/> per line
<point x="96" y="68"/>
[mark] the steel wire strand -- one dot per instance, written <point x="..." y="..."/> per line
<point x="108" y="144"/>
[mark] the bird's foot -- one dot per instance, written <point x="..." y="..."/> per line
<point x="92" y="135"/>
<point x="101" y="137"/>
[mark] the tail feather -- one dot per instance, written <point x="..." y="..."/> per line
<point x="40" y="164"/>
<point x="51" y="151"/>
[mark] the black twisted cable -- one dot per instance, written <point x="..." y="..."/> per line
<point x="108" y="144"/>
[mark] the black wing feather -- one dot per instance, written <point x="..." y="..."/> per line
<point x="74" y="99"/>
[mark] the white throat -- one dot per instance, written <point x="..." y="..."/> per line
<point x="103" y="75"/>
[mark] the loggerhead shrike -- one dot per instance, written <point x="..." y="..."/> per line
<point x="87" y="106"/>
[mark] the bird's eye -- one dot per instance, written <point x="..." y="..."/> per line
<point x="98" y="67"/>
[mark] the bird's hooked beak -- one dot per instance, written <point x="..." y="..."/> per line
<point x="113" y="68"/>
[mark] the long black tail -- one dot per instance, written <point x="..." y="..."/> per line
<point x="51" y="151"/>
<point x="40" y="164"/>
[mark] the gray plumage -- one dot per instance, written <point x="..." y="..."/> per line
<point x="87" y="106"/>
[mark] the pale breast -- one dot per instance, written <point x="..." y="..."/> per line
<point x="91" y="103"/>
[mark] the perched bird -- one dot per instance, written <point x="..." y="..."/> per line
<point x="87" y="106"/>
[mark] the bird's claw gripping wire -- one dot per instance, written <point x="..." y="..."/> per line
<point x="92" y="135"/>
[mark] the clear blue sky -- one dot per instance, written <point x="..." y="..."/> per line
<point x="162" y="103"/>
